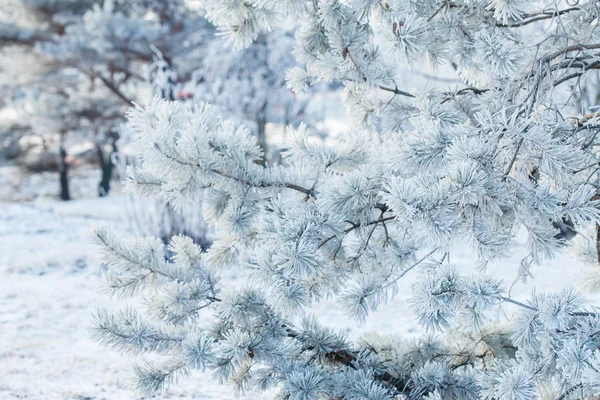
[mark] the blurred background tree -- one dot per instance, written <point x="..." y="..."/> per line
<point x="71" y="69"/>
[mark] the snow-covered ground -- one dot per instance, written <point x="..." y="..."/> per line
<point x="49" y="287"/>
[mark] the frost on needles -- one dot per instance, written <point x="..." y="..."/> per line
<point x="421" y="171"/>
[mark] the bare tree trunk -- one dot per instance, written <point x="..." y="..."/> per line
<point x="106" y="165"/>
<point x="261" y="134"/>
<point x="63" y="170"/>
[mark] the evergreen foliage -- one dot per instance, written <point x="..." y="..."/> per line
<point x="505" y="151"/>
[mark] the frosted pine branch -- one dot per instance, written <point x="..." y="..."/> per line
<point x="421" y="172"/>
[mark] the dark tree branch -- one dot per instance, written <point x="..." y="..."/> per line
<point x="356" y="226"/>
<point x="113" y="88"/>
<point x="396" y="91"/>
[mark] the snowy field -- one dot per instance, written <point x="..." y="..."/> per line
<point x="49" y="287"/>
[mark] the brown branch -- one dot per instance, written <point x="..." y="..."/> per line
<point x="113" y="88"/>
